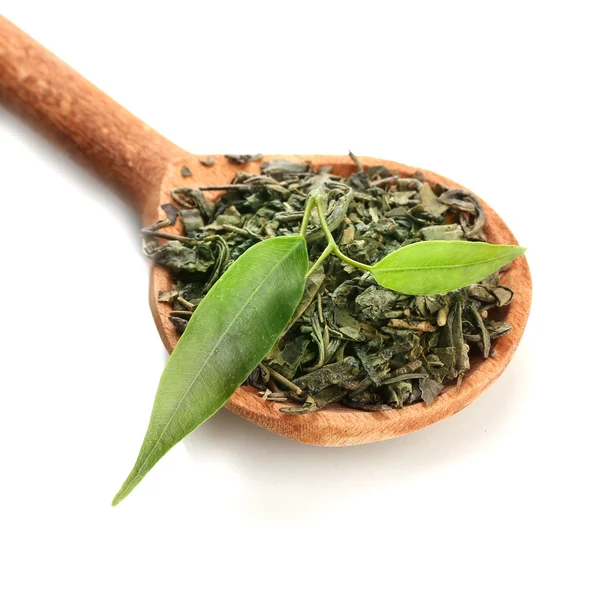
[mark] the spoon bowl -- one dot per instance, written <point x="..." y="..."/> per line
<point x="145" y="167"/>
<point x="337" y="425"/>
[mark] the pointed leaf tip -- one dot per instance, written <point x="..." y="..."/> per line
<point x="231" y="331"/>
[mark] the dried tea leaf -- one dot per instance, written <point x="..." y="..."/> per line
<point x="446" y="232"/>
<point x="317" y="401"/>
<point x="282" y="169"/>
<point x="208" y="162"/>
<point x="485" y="342"/>
<point x="341" y="319"/>
<point x="167" y="295"/>
<point x="498" y="329"/>
<point x="374" y="302"/>
<point x="179" y="257"/>
<point x="422" y="326"/>
<point x="503" y="295"/>
<point x="180" y="324"/>
<point x="481" y="293"/>
<point x="430" y="390"/>
<point x="345" y="374"/>
<point x="430" y="201"/>
<point x="472" y="216"/>
<point x="171" y="211"/>
<point x="243" y="158"/>
<point x="192" y="221"/>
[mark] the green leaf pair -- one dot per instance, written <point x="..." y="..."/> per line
<point x="247" y="310"/>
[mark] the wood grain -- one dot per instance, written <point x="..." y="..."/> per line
<point x="146" y="166"/>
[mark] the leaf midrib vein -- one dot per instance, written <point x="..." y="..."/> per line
<point x="407" y="269"/>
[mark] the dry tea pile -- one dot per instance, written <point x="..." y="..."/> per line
<point x="350" y="340"/>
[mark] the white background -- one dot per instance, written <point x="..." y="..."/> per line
<point x="501" y="97"/>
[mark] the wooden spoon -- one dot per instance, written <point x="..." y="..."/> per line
<point x="146" y="167"/>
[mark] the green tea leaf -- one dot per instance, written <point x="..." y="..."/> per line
<point x="229" y="334"/>
<point x="439" y="266"/>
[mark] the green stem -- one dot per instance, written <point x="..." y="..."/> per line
<point x="340" y="255"/>
<point x="323" y="256"/>
<point x="321" y="213"/>
<point x="307" y="211"/>
<point x="332" y="246"/>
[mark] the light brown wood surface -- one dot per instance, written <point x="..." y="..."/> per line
<point x="146" y="167"/>
<point x="121" y="148"/>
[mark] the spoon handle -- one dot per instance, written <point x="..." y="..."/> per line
<point x="120" y="147"/>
